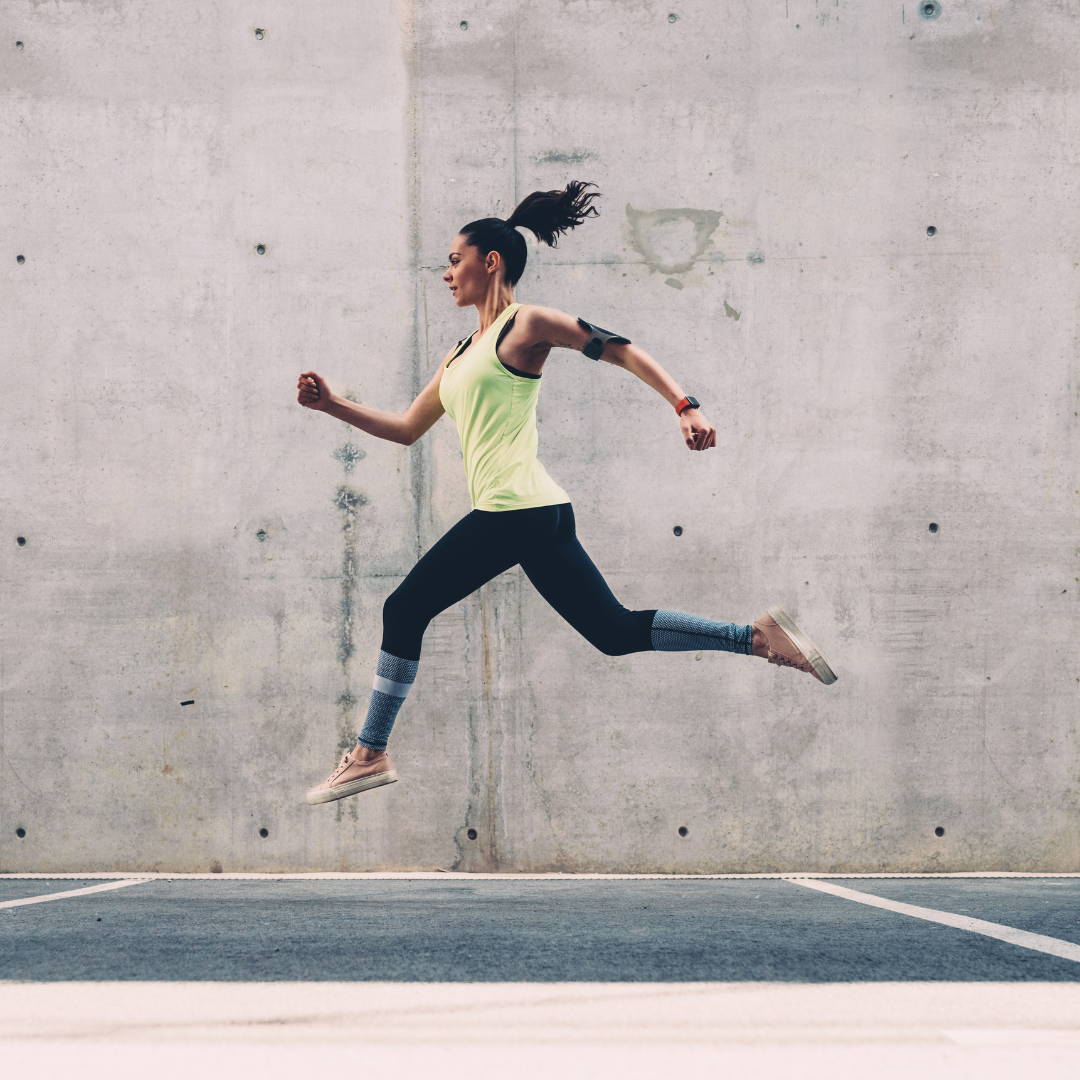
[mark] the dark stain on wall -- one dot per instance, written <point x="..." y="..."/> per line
<point x="349" y="455"/>
<point x="563" y="157"/>
<point x="672" y="240"/>
<point x="348" y="502"/>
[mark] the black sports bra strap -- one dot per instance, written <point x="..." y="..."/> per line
<point x="466" y="342"/>
<point x="463" y="344"/>
<point x="502" y="333"/>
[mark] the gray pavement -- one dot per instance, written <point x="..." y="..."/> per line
<point x="469" y="976"/>
<point x="536" y="930"/>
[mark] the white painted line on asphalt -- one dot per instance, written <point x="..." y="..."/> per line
<point x="444" y="875"/>
<point x="1067" y="950"/>
<point x="72" y="892"/>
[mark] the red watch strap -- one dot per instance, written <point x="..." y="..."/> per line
<point x="682" y="405"/>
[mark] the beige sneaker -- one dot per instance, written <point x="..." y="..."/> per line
<point x="790" y="647"/>
<point x="352" y="776"/>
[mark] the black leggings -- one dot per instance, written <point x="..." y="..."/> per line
<point x="484" y="543"/>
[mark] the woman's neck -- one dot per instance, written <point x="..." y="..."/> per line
<point x="492" y="306"/>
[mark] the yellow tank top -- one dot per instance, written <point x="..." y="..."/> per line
<point x="494" y="408"/>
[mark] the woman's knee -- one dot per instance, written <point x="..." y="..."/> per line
<point x="404" y="624"/>
<point x="623" y="632"/>
<point x="401" y="609"/>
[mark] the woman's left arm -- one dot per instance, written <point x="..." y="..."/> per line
<point x="556" y="329"/>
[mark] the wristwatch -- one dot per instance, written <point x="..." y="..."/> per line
<point x="687" y="403"/>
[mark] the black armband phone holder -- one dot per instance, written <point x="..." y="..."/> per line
<point x="594" y="347"/>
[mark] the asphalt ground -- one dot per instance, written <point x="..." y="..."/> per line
<point x="475" y="974"/>
<point x="535" y="930"/>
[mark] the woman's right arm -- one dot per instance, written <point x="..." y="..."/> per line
<point x="405" y="428"/>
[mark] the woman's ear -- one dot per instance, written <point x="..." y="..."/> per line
<point x="493" y="262"/>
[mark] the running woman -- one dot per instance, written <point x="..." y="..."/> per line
<point x="489" y="383"/>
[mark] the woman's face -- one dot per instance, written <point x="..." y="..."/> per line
<point x="465" y="273"/>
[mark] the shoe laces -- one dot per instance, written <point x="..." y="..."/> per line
<point x="784" y="661"/>
<point x="341" y="766"/>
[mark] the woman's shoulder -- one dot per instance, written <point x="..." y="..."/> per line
<point x="537" y="315"/>
<point x="550" y="326"/>
<point x="543" y="313"/>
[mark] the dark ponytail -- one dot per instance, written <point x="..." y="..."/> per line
<point x="546" y="214"/>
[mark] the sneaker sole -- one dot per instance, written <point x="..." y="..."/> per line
<point x="353" y="787"/>
<point x="804" y="645"/>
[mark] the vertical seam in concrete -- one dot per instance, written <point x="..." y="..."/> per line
<point x="514" y="196"/>
<point x="483" y="854"/>
<point x="411" y="55"/>
<point x="489" y="635"/>
<point x="423" y="513"/>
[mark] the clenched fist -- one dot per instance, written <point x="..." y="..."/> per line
<point x="697" y="432"/>
<point x="314" y="391"/>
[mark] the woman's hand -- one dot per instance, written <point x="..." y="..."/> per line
<point x="314" y="391"/>
<point x="698" y="433"/>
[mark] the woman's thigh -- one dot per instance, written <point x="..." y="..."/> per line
<point x="482" y="545"/>
<point x="567" y="578"/>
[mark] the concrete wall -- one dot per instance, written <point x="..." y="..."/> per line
<point x="770" y="173"/>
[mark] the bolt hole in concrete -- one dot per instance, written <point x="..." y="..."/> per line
<point x="260" y="248"/>
<point x="260" y="33"/>
<point x="930" y="10"/>
<point x="18" y="44"/>
<point x="677" y="530"/>
<point x="683" y="830"/>
<point x="21" y="541"/>
<point x="463" y="25"/>
<point x="471" y="834"/>
<point x="933" y="526"/>
<point x="264" y="833"/>
<point x="673" y="17"/>
<point x="20" y="832"/>
<point x="260" y="535"/>
<point x="20" y="259"/>
<point x="931" y="230"/>
<point x="939" y="831"/>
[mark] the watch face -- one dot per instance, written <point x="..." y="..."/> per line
<point x="694" y="403"/>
